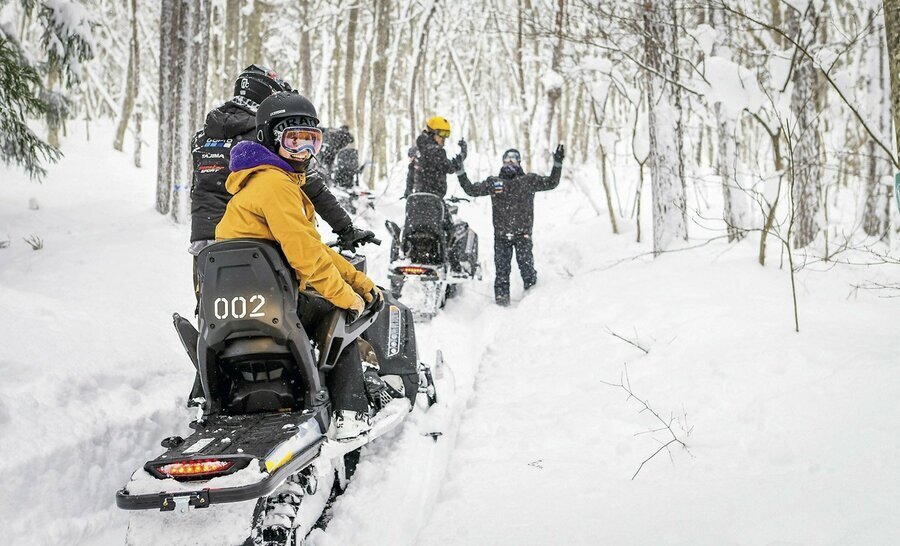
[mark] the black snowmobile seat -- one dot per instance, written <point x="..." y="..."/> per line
<point x="424" y="214"/>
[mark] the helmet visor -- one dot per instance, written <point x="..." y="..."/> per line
<point x="301" y="141"/>
<point x="511" y="158"/>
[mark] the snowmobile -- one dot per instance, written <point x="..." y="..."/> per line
<point x="428" y="263"/>
<point x="344" y="180"/>
<point x="260" y="453"/>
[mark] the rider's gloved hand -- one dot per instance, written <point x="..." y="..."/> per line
<point x="357" y="307"/>
<point x="559" y="155"/>
<point x="351" y="237"/>
<point x="463" y="148"/>
<point x="457" y="164"/>
<point x="373" y="297"/>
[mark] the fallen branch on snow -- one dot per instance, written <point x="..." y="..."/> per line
<point x="625" y="384"/>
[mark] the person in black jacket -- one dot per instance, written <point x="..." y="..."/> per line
<point x="230" y="123"/>
<point x="512" y="200"/>
<point x="431" y="164"/>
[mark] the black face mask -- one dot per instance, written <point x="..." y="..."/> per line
<point x="299" y="166"/>
<point x="510" y="170"/>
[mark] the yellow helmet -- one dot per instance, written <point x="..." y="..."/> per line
<point x="439" y="126"/>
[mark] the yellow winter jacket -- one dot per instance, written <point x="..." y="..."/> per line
<point x="268" y="204"/>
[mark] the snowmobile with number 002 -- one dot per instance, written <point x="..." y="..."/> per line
<point x="432" y="255"/>
<point x="258" y="468"/>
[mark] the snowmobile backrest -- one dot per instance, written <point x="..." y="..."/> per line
<point x="248" y="305"/>
<point x="346" y="164"/>
<point x="424" y="214"/>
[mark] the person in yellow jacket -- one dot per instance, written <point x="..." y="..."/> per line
<point x="267" y="203"/>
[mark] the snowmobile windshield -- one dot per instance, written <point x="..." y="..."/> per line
<point x="303" y="142"/>
<point x="511" y="158"/>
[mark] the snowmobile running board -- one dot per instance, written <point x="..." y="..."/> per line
<point x="203" y="498"/>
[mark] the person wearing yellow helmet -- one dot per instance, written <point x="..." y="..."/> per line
<point x="432" y="165"/>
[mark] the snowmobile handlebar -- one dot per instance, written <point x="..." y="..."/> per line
<point x="455" y="199"/>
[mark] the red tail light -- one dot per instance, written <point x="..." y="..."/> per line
<point x="201" y="468"/>
<point x="413" y="270"/>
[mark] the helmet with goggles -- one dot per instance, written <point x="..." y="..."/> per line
<point x="512" y="156"/>
<point x="438" y="126"/>
<point x="288" y="120"/>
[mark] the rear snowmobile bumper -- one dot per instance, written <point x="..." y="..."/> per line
<point x="297" y="445"/>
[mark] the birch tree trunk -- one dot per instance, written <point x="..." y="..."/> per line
<point x="664" y="105"/>
<point x="806" y="144"/>
<point x="305" y="85"/>
<point x="876" y="212"/>
<point x="523" y="89"/>
<point x="131" y="85"/>
<point x="232" y="36"/>
<point x="892" y="26"/>
<point x="167" y="44"/>
<point x="420" y="55"/>
<point x="554" y="89"/>
<point x="379" y="83"/>
<point x="349" y="67"/>
<point x="735" y="203"/>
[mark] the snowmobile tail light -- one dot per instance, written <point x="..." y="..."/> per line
<point x="201" y="468"/>
<point x="412" y="270"/>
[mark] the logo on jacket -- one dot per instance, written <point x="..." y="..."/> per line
<point x="245" y="83"/>
<point x="203" y="169"/>
<point x="218" y="143"/>
<point x="497" y="186"/>
<point x="212" y="156"/>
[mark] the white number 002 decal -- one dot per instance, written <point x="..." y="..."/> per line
<point x="237" y="307"/>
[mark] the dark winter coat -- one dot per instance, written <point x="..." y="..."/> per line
<point x="512" y="198"/>
<point x="431" y="167"/>
<point x="211" y="149"/>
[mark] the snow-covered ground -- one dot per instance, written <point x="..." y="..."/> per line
<point x="789" y="437"/>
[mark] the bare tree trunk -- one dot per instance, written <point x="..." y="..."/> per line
<point x="349" y="67"/>
<point x="523" y="90"/>
<point x="131" y="86"/>
<point x="53" y="125"/>
<point x="892" y="26"/>
<point x="805" y="143"/>
<point x="379" y="83"/>
<point x="554" y="91"/>
<point x="167" y="50"/>
<point x="232" y="37"/>
<point x="254" y="35"/>
<point x="420" y="55"/>
<point x="664" y="105"/>
<point x="305" y="85"/>
<point x="361" y="92"/>
<point x="181" y="92"/>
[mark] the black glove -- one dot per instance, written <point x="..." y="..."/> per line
<point x="559" y="154"/>
<point x="463" y="148"/>
<point x="457" y="163"/>
<point x="351" y="237"/>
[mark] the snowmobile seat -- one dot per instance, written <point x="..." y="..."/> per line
<point x="253" y="354"/>
<point x="346" y="165"/>
<point x="423" y="234"/>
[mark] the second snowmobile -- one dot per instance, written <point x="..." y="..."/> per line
<point x="259" y="467"/>
<point x="432" y="254"/>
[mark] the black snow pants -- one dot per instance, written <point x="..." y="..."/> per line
<point x="345" y="381"/>
<point x="504" y="244"/>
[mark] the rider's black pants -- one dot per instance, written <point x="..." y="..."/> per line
<point x="504" y="244"/>
<point x="345" y="380"/>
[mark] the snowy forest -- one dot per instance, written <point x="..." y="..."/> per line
<point x="726" y="226"/>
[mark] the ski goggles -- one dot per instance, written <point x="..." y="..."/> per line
<point x="303" y="141"/>
<point x="443" y="133"/>
<point x="512" y="157"/>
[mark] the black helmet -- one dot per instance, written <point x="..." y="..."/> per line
<point x="258" y="82"/>
<point x="280" y="110"/>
